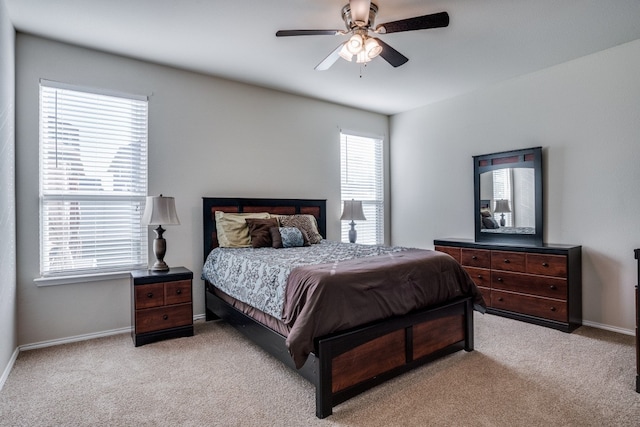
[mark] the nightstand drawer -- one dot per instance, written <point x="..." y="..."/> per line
<point x="147" y="296"/>
<point x="155" y="319"/>
<point x="177" y="292"/>
<point x="541" y="307"/>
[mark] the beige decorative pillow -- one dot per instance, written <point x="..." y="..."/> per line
<point x="233" y="231"/>
<point x="304" y="222"/>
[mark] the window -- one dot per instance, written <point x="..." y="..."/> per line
<point x="93" y="180"/>
<point x="362" y="179"/>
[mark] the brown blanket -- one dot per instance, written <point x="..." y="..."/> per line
<point x="321" y="299"/>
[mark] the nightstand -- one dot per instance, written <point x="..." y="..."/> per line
<point x="161" y="305"/>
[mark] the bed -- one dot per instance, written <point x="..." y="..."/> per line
<point x="345" y="362"/>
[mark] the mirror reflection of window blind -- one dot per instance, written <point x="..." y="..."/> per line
<point x="503" y="190"/>
<point x="362" y="178"/>
<point x="93" y="181"/>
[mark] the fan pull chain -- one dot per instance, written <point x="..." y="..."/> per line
<point x="361" y="68"/>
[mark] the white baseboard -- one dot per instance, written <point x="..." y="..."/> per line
<point x="84" y="337"/>
<point x="609" y="328"/>
<point x="9" y="367"/>
<point x="67" y="340"/>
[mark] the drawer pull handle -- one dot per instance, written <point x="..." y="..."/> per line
<point x="544" y="264"/>
<point x="500" y="299"/>
<point x="474" y="257"/>
<point x="506" y="261"/>
<point x="165" y="316"/>
<point x="479" y="276"/>
<point x="499" y="279"/>
<point x="179" y="291"/>
<point x="150" y="295"/>
<point x="553" y="287"/>
<point x="553" y="309"/>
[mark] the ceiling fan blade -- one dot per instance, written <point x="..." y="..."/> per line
<point x="329" y="60"/>
<point x="360" y="10"/>
<point x="435" y="20"/>
<point x="391" y="55"/>
<point x="287" y="33"/>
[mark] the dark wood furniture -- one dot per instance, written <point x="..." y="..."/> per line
<point x="527" y="160"/>
<point x="161" y="305"/>
<point x="637" y="255"/>
<point x="349" y="362"/>
<point x="536" y="284"/>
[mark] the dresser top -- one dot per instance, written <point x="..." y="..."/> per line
<point x="545" y="248"/>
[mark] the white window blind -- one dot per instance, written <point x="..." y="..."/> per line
<point x="362" y="178"/>
<point x="93" y="181"/>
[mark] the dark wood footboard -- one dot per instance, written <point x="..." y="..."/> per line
<point x="348" y="363"/>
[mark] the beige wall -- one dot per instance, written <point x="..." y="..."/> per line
<point x="8" y="328"/>
<point x="586" y="116"/>
<point x="207" y="137"/>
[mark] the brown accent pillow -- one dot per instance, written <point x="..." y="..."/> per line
<point x="304" y="222"/>
<point x="276" y="237"/>
<point x="259" y="231"/>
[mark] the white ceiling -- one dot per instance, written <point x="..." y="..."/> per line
<point x="487" y="41"/>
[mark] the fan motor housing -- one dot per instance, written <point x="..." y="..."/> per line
<point x="351" y="24"/>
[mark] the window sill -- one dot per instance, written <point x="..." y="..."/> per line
<point x="82" y="278"/>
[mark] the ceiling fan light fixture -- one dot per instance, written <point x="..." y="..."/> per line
<point x="355" y="44"/>
<point x="372" y="48"/>
<point x="345" y="53"/>
<point x="362" y="57"/>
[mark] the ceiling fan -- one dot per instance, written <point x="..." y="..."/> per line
<point x="359" y="17"/>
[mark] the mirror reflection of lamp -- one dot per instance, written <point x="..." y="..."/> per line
<point x="502" y="207"/>
<point x="352" y="211"/>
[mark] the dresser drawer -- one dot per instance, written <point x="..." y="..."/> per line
<point x="155" y="319"/>
<point x="147" y="296"/>
<point x="486" y="295"/>
<point x="480" y="276"/>
<point x="508" y="261"/>
<point x="549" y="287"/>
<point x="475" y="258"/>
<point x="548" y="265"/>
<point x="177" y="292"/>
<point x="454" y="252"/>
<point x="534" y="306"/>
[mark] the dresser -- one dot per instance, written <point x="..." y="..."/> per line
<point x="536" y="284"/>
<point x="637" y="254"/>
<point x="161" y="305"/>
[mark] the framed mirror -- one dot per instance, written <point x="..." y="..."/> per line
<point x="508" y="197"/>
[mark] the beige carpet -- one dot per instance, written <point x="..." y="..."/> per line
<point x="519" y="375"/>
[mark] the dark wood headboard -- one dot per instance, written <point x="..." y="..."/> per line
<point x="315" y="207"/>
